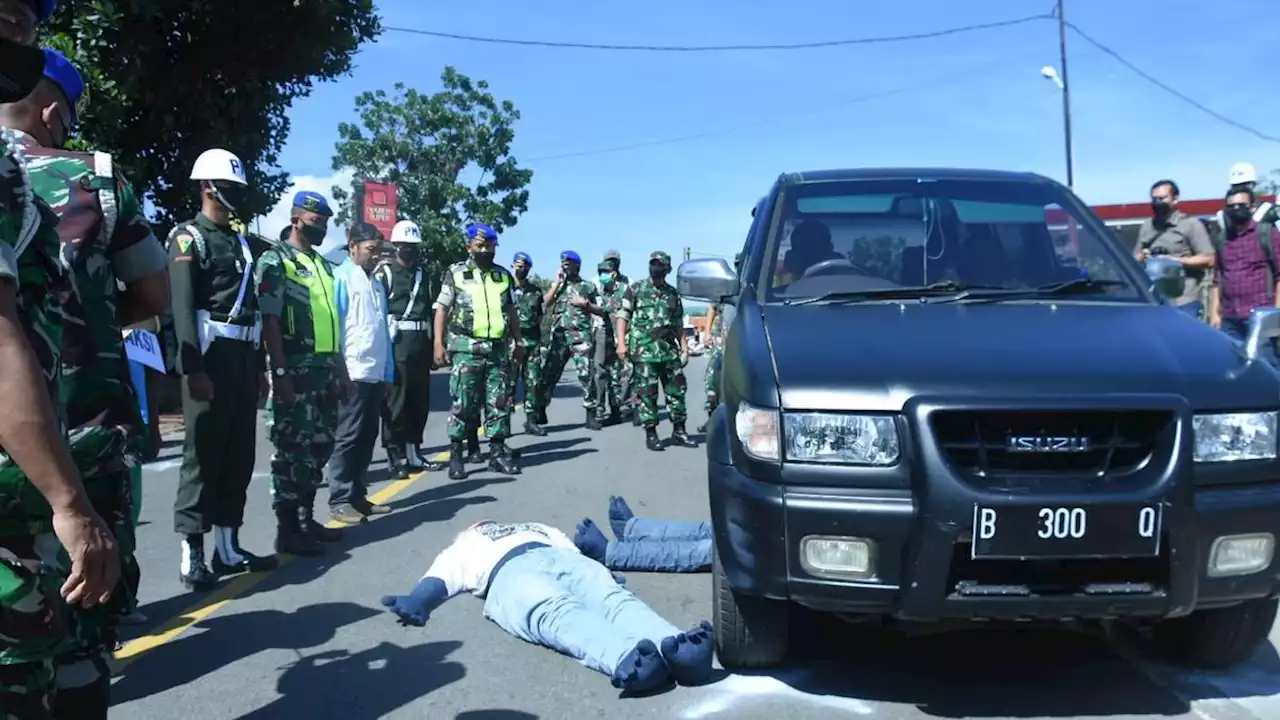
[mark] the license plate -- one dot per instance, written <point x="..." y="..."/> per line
<point x="1066" y="531"/>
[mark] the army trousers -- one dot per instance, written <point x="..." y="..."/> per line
<point x="612" y="376"/>
<point x="480" y="381"/>
<point x="711" y="377"/>
<point x="408" y="399"/>
<point x="33" y="625"/>
<point x="527" y="369"/>
<point x="218" y="449"/>
<point x="302" y="433"/>
<point x="557" y="352"/>
<point x="667" y="376"/>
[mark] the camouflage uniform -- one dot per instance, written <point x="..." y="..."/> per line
<point x="529" y="313"/>
<point x="33" y="616"/>
<point x="613" y="377"/>
<point x="567" y="334"/>
<point x="714" y="360"/>
<point x="655" y="317"/>
<point x="105" y="240"/>
<point x="302" y="432"/>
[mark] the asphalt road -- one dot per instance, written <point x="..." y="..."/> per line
<point x="311" y="640"/>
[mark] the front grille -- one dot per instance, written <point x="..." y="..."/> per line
<point x="1009" y="442"/>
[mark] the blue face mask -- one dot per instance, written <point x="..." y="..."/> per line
<point x="606" y="279"/>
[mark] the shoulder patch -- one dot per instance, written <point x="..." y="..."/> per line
<point x="184" y="242"/>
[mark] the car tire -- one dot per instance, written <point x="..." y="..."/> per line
<point x="751" y="632"/>
<point x="1216" y="639"/>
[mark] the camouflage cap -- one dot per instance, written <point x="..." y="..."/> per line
<point x="612" y="255"/>
<point x="659" y="256"/>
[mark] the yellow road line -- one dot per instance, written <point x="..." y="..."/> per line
<point x="238" y="586"/>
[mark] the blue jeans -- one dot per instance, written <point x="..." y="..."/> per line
<point x="650" y="545"/>
<point x="566" y="601"/>
<point x="1238" y="329"/>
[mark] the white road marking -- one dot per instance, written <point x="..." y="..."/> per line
<point x="734" y="693"/>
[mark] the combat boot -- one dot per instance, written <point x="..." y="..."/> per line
<point x="397" y="463"/>
<point x="229" y="558"/>
<point x="679" y="436"/>
<point x="316" y="529"/>
<point x="193" y="573"/>
<point x="593" y="422"/>
<point x="457" y="469"/>
<point x="651" y="439"/>
<point x="542" y="417"/>
<point x="475" y="455"/>
<point x="501" y="459"/>
<point x="533" y="428"/>
<point x="290" y="537"/>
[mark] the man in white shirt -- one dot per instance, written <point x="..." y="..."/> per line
<point x="538" y="587"/>
<point x="366" y="348"/>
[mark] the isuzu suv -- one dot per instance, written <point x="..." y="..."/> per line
<point x="951" y="395"/>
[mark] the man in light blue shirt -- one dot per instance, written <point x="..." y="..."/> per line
<point x="366" y="349"/>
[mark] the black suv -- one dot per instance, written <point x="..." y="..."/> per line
<point x="951" y="395"/>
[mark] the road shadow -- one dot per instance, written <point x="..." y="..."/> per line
<point x="1259" y="677"/>
<point x="554" y="456"/>
<point x="221" y="640"/>
<point x="367" y="684"/>
<point x="965" y="674"/>
<point x="495" y="715"/>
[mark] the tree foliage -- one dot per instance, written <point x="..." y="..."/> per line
<point x="1270" y="184"/>
<point x="169" y="79"/>
<point x="424" y="144"/>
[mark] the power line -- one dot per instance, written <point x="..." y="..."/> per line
<point x="1181" y="96"/>
<point x="725" y="48"/>
<point x="923" y="85"/>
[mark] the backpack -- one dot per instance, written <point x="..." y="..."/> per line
<point x="1265" y="230"/>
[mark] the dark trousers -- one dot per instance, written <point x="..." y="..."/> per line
<point x="353" y="451"/>
<point x="220" y="440"/>
<point x="404" y="416"/>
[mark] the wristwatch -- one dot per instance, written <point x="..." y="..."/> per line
<point x="278" y="372"/>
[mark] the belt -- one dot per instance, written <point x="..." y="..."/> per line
<point x="512" y="554"/>
<point x="227" y="331"/>
<point x="413" y="325"/>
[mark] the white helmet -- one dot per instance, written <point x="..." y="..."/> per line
<point x="1242" y="173"/>
<point x="218" y="164"/>
<point x="406" y="231"/>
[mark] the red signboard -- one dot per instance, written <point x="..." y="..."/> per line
<point x="379" y="206"/>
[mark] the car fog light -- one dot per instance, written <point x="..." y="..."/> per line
<point x="1241" y="554"/>
<point x="847" y="557"/>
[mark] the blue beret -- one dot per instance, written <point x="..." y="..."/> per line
<point x="312" y="201"/>
<point x="482" y="231"/>
<point x="571" y="256"/>
<point x="65" y="75"/>
<point x="44" y="9"/>
<point x="522" y="256"/>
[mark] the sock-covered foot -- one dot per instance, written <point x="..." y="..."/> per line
<point x="688" y="654"/>
<point x="590" y="540"/>
<point x="411" y="610"/>
<point x="619" y="514"/>
<point x="642" y="670"/>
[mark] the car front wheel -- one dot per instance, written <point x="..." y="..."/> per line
<point x="751" y="632"/>
<point x="1216" y="639"/>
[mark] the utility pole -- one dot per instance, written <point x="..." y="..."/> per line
<point x="1066" y="92"/>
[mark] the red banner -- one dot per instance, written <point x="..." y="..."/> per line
<point x="379" y="206"/>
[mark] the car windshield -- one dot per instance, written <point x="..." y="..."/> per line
<point x="877" y="236"/>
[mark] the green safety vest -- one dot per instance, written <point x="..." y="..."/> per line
<point x="315" y="276"/>
<point x="488" y="321"/>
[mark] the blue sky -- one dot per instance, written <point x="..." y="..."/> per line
<point x="979" y="101"/>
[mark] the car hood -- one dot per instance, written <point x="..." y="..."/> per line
<point x="876" y="357"/>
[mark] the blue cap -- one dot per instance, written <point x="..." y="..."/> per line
<point x="522" y="256"/>
<point x="44" y="9"/>
<point x="312" y="201"/>
<point x="571" y="256"/>
<point x="65" y="75"/>
<point x="482" y="231"/>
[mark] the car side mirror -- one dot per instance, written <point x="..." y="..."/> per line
<point x="708" y="279"/>
<point x="1264" y="326"/>
<point x="1167" y="276"/>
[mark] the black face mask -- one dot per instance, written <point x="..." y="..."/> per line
<point x="1161" y="209"/>
<point x="522" y="273"/>
<point x="407" y="253"/>
<point x="314" y="235"/>
<point x="1239" y="215"/>
<point x="21" y="68"/>
<point x="231" y="196"/>
<point x="482" y="258"/>
<point x="657" y="273"/>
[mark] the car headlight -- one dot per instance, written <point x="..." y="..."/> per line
<point x="845" y="439"/>
<point x="757" y="430"/>
<point x="1227" y="437"/>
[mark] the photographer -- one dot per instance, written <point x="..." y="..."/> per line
<point x="1181" y="237"/>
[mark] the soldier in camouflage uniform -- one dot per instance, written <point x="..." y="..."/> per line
<point x="612" y="376"/>
<point x="651" y="332"/>
<point x="715" y="360"/>
<point x="478" y="334"/>
<point x="570" y="303"/>
<point x="529" y="313"/>
<point x="303" y="336"/>
<point x="105" y="240"/>
<point x="42" y="482"/>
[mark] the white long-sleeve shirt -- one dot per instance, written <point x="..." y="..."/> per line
<point x="362" y="311"/>
<point x="468" y="564"/>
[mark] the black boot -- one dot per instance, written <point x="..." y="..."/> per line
<point x="427" y="464"/>
<point x="314" y="528"/>
<point x="501" y="459"/>
<point x="475" y="455"/>
<point x="457" y="469"/>
<point x="87" y="702"/>
<point x="397" y="463"/>
<point x="679" y="436"/>
<point x="533" y="428"/>
<point x="635" y="416"/>
<point x="229" y="558"/>
<point x="290" y="537"/>
<point x="196" y="575"/>
<point x="542" y="417"/>
<point x="651" y="440"/>
<point x="593" y="423"/>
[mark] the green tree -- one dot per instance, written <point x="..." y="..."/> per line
<point x="424" y="143"/>
<point x="169" y="79"/>
<point x="1270" y="184"/>
<point x="543" y="284"/>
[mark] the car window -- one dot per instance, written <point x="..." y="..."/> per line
<point x="866" y="235"/>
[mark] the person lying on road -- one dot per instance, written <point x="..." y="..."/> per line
<point x="538" y="587"/>
<point x="646" y="544"/>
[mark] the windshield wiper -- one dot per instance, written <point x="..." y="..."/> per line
<point x="1076" y="286"/>
<point x="946" y="287"/>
